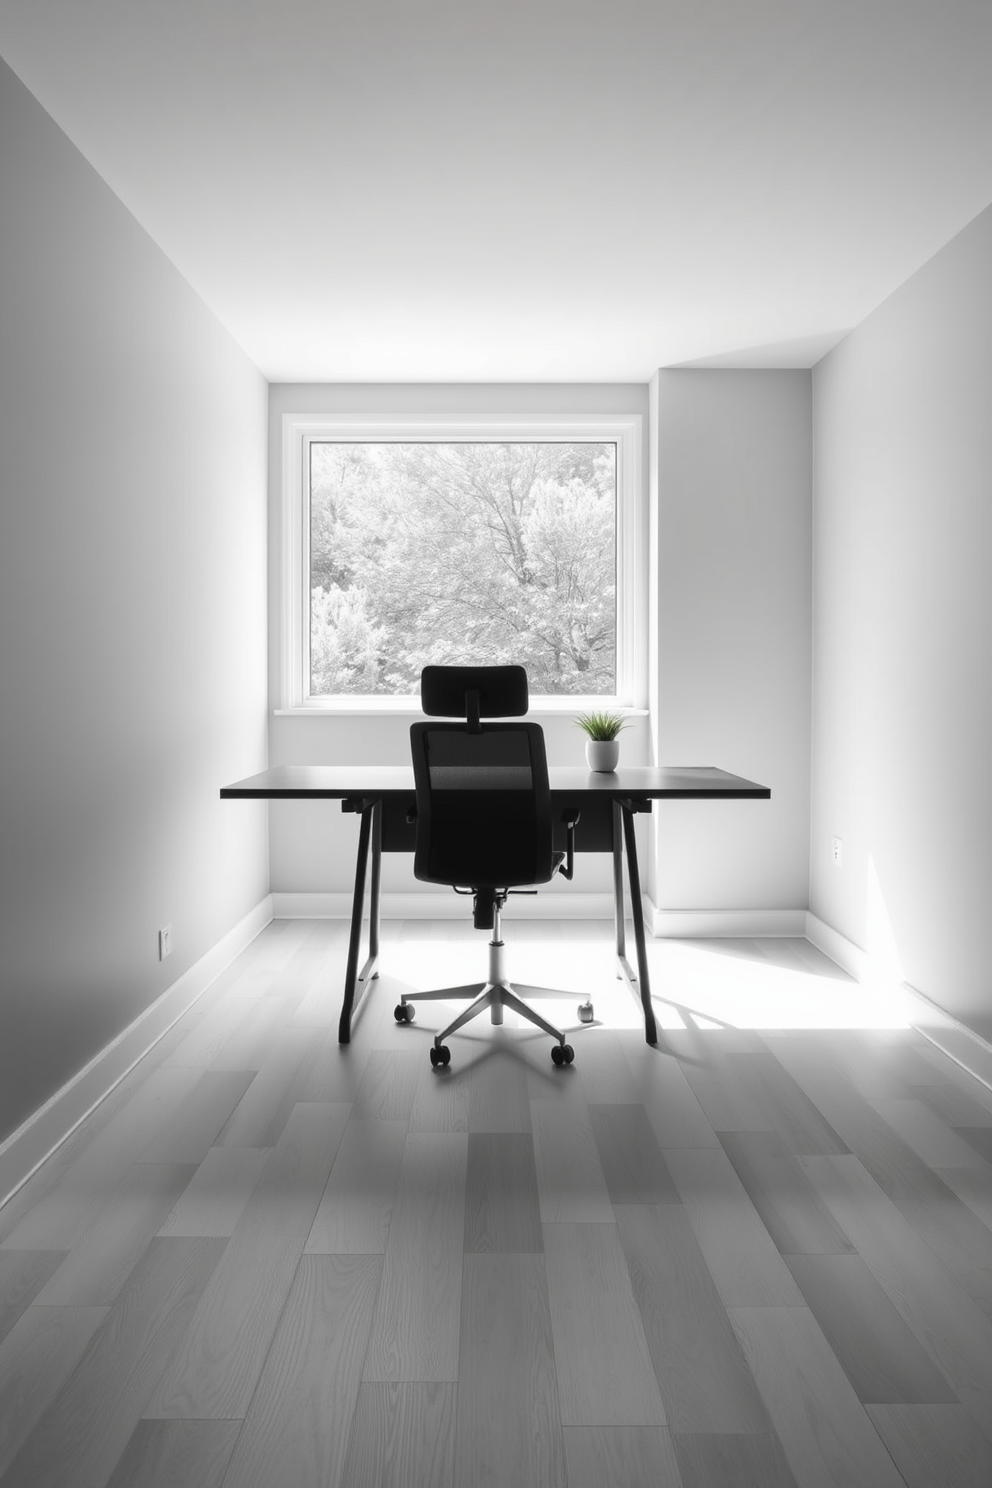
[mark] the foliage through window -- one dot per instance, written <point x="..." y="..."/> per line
<point x="455" y="552"/>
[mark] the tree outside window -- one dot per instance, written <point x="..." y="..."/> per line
<point x="462" y="552"/>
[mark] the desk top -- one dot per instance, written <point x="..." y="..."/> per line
<point x="655" y="783"/>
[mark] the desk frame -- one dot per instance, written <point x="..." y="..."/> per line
<point x="368" y="868"/>
<point x="363" y="790"/>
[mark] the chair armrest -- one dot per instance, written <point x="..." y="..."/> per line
<point x="570" y="816"/>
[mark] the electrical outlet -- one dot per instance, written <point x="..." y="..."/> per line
<point x="837" y="853"/>
<point x="165" y="942"/>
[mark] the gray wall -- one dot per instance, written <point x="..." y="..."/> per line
<point x="732" y="683"/>
<point x="132" y="614"/>
<point x="902" y="715"/>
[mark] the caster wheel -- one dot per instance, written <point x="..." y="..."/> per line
<point x="585" y="1012"/>
<point x="404" y="1012"/>
<point x="440" y="1056"/>
<point x="562" y="1054"/>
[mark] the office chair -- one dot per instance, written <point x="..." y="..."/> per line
<point x="484" y="825"/>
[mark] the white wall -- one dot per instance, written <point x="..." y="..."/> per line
<point x="733" y="528"/>
<point x="732" y="680"/>
<point x="132" y="614"/>
<point x="902" y="734"/>
<point x="313" y="847"/>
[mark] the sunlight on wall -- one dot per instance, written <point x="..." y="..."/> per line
<point x="885" y="968"/>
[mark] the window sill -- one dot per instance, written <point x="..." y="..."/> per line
<point x="402" y="707"/>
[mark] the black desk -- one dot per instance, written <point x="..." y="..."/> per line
<point x="381" y="795"/>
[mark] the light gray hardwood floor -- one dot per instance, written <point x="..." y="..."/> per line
<point x="758" y="1254"/>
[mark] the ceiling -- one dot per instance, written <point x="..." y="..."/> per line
<point x="527" y="190"/>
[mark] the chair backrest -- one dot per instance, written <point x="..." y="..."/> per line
<point x="483" y="800"/>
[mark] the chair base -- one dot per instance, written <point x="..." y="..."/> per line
<point x="495" y="994"/>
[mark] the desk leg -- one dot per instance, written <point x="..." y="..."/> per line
<point x="356" y="983"/>
<point x="639" y="982"/>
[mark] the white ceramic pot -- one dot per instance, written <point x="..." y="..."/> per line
<point x="602" y="754"/>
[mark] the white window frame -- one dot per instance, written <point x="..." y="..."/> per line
<point x="300" y="431"/>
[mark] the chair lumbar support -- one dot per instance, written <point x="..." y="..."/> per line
<point x="495" y="994"/>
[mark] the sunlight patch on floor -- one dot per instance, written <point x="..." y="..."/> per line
<point x="693" y="984"/>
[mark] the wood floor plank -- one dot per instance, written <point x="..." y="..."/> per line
<point x="827" y="1437"/>
<point x="214" y="1200"/>
<point x="438" y="1105"/>
<point x="210" y="1033"/>
<point x="507" y="1422"/>
<point x="786" y="1108"/>
<point x="899" y="1171"/>
<point x="633" y="1163"/>
<point x="877" y="1067"/>
<point x="402" y="1434"/>
<point x="605" y="1375"/>
<point x="948" y="1072"/>
<point x="727" y="1461"/>
<point x="705" y="1061"/>
<point x="96" y="1268"/>
<point x="176" y="1454"/>
<point x="570" y="1179"/>
<point x="388" y="1085"/>
<point x="946" y="1224"/>
<point x="84" y="1431"/>
<point x="790" y="1208"/>
<point x="331" y="1073"/>
<point x="502" y="1208"/>
<point x="190" y="1132"/>
<point x="23" y="1273"/>
<point x="636" y="1456"/>
<point x="603" y="1070"/>
<point x="876" y="1349"/>
<point x="59" y="1220"/>
<point x="933" y="1141"/>
<point x="247" y="1047"/>
<point x="216" y="1369"/>
<point x="259" y="1117"/>
<point x="660" y="1085"/>
<point x="297" y="1426"/>
<point x="955" y="1334"/>
<point x="415" y="1332"/>
<point x="704" y="1380"/>
<point x="36" y="1357"/>
<point x="979" y="1139"/>
<point x="973" y="1187"/>
<point x="319" y="942"/>
<point x="323" y="979"/>
<point x="954" y="1234"/>
<point x="934" y="1444"/>
<point x="747" y="1269"/>
<point x="355" y="1209"/>
<point x="497" y="1090"/>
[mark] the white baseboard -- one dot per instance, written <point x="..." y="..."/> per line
<point x="443" y="905"/>
<point x="560" y="905"/>
<point x="958" y="1042"/>
<point x="26" y="1149"/>
<point x="843" y="952"/>
<point x="690" y="924"/>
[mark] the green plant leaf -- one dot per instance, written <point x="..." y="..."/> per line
<point x="601" y="726"/>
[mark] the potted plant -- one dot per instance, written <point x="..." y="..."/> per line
<point x="602" y="744"/>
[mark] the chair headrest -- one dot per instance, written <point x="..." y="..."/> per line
<point x="447" y="692"/>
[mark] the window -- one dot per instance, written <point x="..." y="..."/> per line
<point x="410" y="546"/>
